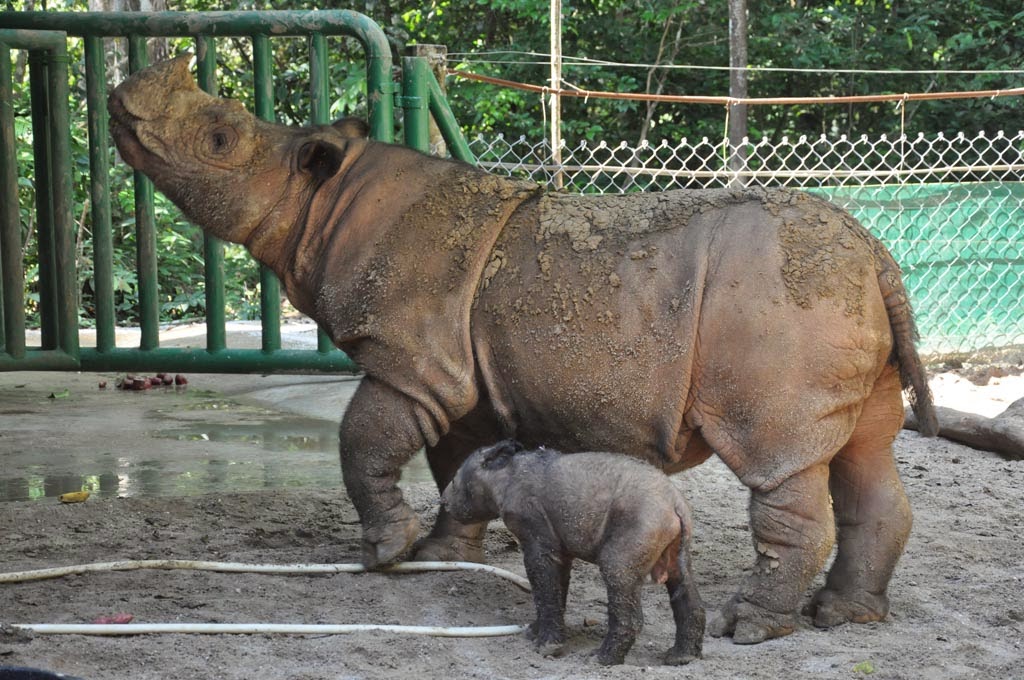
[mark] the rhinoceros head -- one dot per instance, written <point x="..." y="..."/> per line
<point x="474" y="495"/>
<point x="238" y="177"/>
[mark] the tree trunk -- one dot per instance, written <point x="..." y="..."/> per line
<point x="1003" y="434"/>
<point x="117" y="52"/>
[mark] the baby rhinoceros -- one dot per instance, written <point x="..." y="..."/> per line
<point x="617" y="512"/>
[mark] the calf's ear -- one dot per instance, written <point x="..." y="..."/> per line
<point x="501" y="454"/>
<point x="320" y="159"/>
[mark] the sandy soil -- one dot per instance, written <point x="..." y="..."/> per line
<point x="957" y="596"/>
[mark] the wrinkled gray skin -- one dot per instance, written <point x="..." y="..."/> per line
<point x="760" y="325"/>
<point x="608" y="509"/>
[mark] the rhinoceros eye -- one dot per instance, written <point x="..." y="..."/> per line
<point x="223" y="140"/>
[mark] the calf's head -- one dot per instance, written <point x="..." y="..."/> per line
<point x="474" y="494"/>
<point x="231" y="173"/>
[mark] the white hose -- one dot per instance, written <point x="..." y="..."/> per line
<point x="260" y="628"/>
<point x="256" y="628"/>
<point x="198" y="565"/>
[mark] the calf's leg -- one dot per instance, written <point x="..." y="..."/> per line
<point x="687" y="608"/>
<point x="548" y="571"/>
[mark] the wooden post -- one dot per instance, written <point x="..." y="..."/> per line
<point x="556" y="84"/>
<point x="437" y="56"/>
<point x="737" y="85"/>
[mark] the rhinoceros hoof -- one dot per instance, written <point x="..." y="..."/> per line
<point x="679" y="657"/>
<point x="449" y="549"/>
<point x="383" y="543"/>
<point x="749" y="624"/>
<point x="832" y="608"/>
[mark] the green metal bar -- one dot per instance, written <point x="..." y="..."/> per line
<point x="319" y="108"/>
<point x="213" y="247"/>
<point x="270" y="287"/>
<point x="415" y="102"/>
<point x="318" y="80"/>
<point x="380" y="92"/>
<point x="447" y="123"/>
<point x="99" y="192"/>
<point x="182" y="360"/>
<point x="39" y="73"/>
<point x="66" y="278"/>
<point x="232" y="23"/>
<point x="145" y="229"/>
<point x="40" y="360"/>
<point x="12" y="275"/>
<point x="278" y="23"/>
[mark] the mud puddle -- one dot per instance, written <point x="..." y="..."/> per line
<point x="203" y="444"/>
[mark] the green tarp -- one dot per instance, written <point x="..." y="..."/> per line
<point x="961" y="248"/>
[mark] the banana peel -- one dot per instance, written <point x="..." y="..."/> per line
<point x="73" y="497"/>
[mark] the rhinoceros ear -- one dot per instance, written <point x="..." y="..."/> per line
<point x="352" y="127"/>
<point x="320" y="159"/>
<point x="501" y="454"/>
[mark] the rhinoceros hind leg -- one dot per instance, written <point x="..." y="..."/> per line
<point x="829" y="608"/>
<point x="793" y="535"/>
<point x="451" y="541"/>
<point x="749" y="624"/>
<point x="872" y="514"/>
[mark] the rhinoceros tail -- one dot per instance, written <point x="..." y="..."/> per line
<point x="904" y="335"/>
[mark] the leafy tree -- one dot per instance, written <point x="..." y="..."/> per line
<point x="829" y="40"/>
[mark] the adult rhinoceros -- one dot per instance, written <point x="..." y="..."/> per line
<point x="765" y="326"/>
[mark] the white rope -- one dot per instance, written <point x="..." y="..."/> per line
<point x="568" y="60"/>
<point x="259" y="628"/>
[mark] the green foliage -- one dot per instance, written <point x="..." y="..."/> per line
<point x="497" y="37"/>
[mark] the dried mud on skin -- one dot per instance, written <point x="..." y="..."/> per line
<point x="957" y="595"/>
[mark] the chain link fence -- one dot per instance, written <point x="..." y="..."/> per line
<point x="950" y="208"/>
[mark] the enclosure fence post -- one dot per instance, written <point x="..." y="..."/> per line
<point x="12" y="318"/>
<point x="145" y="229"/>
<point x="213" y="247"/>
<point x="270" y="287"/>
<point x="99" y="192"/>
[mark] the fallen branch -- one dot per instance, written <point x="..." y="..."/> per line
<point x="1003" y="434"/>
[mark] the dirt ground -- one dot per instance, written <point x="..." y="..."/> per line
<point x="957" y="596"/>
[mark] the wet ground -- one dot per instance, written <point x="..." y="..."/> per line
<point x="61" y="432"/>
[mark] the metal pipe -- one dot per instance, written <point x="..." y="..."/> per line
<point x="270" y="287"/>
<point x="184" y="360"/>
<point x="415" y="102"/>
<point x="12" y="274"/>
<point x="99" y="192"/>
<point x="145" y="229"/>
<point x="66" y="274"/>
<point x="447" y="123"/>
<point x="320" y="112"/>
<point x="39" y="73"/>
<point x="213" y="247"/>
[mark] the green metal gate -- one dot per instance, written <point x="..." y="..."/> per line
<point x="44" y="35"/>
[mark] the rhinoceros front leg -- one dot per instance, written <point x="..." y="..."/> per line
<point x="794" y="531"/>
<point x="379" y="434"/>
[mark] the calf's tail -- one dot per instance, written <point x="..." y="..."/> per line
<point x="904" y="336"/>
